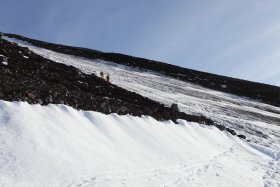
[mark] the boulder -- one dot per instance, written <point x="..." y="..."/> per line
<point x="174" y="107"/>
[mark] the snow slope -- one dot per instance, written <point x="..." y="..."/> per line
<point x="56" y="145"/>
<point x="259" y="122"/>
<point x="254" y="119"/>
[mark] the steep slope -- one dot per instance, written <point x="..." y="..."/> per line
<point x="56" y="145"/>
<point x="266" y="93"/>
<point x="256" y="120"/>
<point x="259" y="159"/>
<point x="26" y="76"/>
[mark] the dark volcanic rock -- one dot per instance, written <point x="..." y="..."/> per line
<point x="32" y="78"/>
<point x="241" y="136"/>
<point x="174" y="107"/>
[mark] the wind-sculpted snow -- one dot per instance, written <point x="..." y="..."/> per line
<point x="258" y="121"/>
<point x="56" y="145"/>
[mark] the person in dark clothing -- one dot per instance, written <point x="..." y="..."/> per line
<point x="102" y="75"/>
<point x="108" y="78"/>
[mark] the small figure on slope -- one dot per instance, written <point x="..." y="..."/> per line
<point x="108" y="78"/>
<point x="101" y="74"/>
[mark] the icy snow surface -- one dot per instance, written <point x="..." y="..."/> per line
<point x="259" y="122"/>
<point x="56" y="145"/>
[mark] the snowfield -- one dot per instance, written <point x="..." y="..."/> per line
<point x="78" y="148"/>
<point x="56" y="145"/>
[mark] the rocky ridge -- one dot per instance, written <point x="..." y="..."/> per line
<point x="262" y="92"/>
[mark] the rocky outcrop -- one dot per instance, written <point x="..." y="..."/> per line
<point x="174" y="107"/>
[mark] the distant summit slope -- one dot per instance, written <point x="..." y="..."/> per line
<point x="263" y="92"/>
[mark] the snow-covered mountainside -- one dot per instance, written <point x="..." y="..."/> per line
<point x="99" y="150"/>
<point x="26" y="76"/>
<point x="265" y="93"/>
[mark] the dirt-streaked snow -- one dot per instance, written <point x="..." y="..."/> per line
<point x="259" y="122"/>
<point x="56" y="145"/>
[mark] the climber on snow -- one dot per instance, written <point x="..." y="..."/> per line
<point x="102" y="75"/>
<point x="108" y="78"/>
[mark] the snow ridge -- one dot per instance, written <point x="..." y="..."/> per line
<point x="56" y="145"/>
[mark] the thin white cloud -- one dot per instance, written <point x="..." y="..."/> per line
<point x="234" y="38"/>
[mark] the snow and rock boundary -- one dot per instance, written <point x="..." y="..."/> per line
<point x="32" y="78"/>
<point x="258" y="91"/>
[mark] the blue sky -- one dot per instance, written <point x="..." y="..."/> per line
<point x="233" y="38"/>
